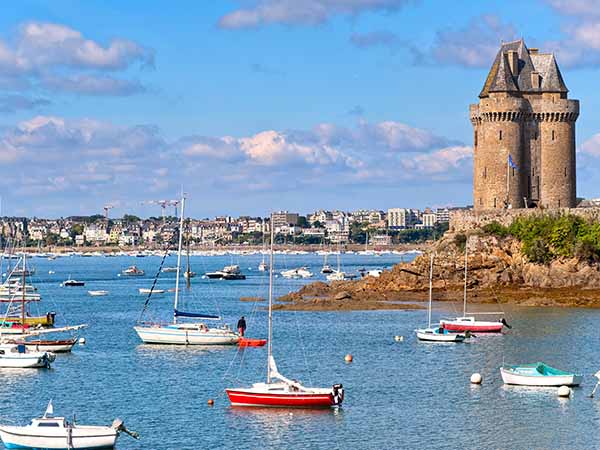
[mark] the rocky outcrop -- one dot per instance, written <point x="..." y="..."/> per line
<point x="497" y="271"/>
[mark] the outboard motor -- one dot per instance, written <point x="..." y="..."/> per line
<point x="505" y="323"/>
<point x="338" y="394"/>
<point x="119" y="426"/>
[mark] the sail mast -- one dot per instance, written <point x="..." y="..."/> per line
<point x="270" y="336"/>
<point x="179" y="260"/>
<point x="465" y="289"/>
<point x="23" y="297"/>
<point x="430" y="289"/>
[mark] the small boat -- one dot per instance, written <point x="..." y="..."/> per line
<point x="279" y="391"/>
<point x="133" y="271"/>
<point x="436" y="334"/>
<point x="189" y="274"/>
<point x="538" y="374"/>
<point x="100" y="293"/>
<point x="301" y="272"/>
<point x="153" y="291"/>
<point x="73" y="283"/>
<point x="326" y="269"/>
<point x="47" y="345"/>
<point x="232" y="272"/>
<point x="262" y="267"/>
<point x="49" y="432"/>
<point x="169" y="269"/>
<point x="250" y="342"/>
<point x="19" y="356"/>
<point x="337" y="275"/>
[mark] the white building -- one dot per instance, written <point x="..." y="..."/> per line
<point x="429" y="220"/>
<point x="442" y="215"/>
<point x="402" y="217"/>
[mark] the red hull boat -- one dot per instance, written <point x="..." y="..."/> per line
<point x="277" y="395"/>
<point x="472" y="325"/>
<point x="249" y="342"/>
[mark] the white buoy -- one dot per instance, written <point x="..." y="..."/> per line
<point x="564" y="391"/>
<point x="118" y="274"/>
<point x="476" y="378"/>
<point x="82" y="341"/>
<point x="398" y="338"/>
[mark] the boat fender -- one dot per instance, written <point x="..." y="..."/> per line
<point x="338" y="393"/>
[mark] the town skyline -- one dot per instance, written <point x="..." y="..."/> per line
<point x="347" y="104"/>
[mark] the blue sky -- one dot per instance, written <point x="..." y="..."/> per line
<point x="255" y="105"/>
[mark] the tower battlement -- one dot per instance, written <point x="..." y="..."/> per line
<point x="524" y="133"/>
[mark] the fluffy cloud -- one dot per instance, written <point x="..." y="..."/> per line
<point x="55" y="57"/>
<point x="302" y="12"/>
<point x="69" y="160"/>
<point x="591" y="146"/>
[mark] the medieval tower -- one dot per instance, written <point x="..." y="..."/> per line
<point x="524" y="133"/>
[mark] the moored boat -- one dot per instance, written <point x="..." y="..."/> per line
<point x="73" y="283"/>
<point x="47" y="345"/>
<point x="232" y="272"/>
<point x="251" y="342"/>
<point x="49" y="432"/>
<point x="133" y="271"/>
<point x="100" y="293"/>
<point x="153" y="291"/>
<point x="19" y="356"/>
<point x="538" y="374"/>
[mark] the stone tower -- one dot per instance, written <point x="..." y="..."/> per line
<point x="524" y="133"/>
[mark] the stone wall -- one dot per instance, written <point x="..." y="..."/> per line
<point x="470" y="220"/>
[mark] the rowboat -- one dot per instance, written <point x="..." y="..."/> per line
<point x="279" y="391"/>
<point x="100" y="293"/>
<point x="49" y="432"/>
<point x="47" y="345"/>
<point x="538" y="374"/>
<point x="250" y="342"/>
<point x="148" y="291"/>
<point x="436" y="334"/>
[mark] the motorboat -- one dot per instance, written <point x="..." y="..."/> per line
<point x="151" y="291"/>
<point x="326" y="269"/>
<point x="73" y="283"/>
<point x="169" y="269"/>
<point x="338" y="275"/>
<point x="232" y="272"/>
<point x="49" y="432"/>
<point x="436" y="334"/>
<point x="538" y="374"/>
<point x="185" y="333"/>
<point x="100" y="293"/>
<point x="277" y="390"/>
<point x="133" y="271"/>
<point x="19" y="356"/>
<point x="301" y="272"/>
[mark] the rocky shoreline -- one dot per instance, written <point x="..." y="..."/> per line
<point x="497" y="273"/>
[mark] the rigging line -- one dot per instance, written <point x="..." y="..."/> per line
<point x="162" y="261"/>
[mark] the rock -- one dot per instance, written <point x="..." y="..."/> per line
<point x="342" y="295"/>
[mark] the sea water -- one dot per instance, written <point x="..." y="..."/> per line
<point x="398" y="394"/>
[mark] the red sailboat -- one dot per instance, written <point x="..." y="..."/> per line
<point x="279" y="391"/>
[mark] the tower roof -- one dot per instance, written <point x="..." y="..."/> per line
<point x="502" y="79"/>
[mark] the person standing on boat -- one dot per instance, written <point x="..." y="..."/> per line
<point x="241" y="326"/>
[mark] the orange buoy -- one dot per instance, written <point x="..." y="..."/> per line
<point x="211" y="402"/>
<point x="348" y="358"/>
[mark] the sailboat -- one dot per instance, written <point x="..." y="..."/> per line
<point x="185" y="333"/>
<point x="326" y="269"/>
<point x="262" y="267"/>
<point x="469" y="322"/>
<point x="188" y="274"/>
<point x="438" y="334"/>
<point x="279" y="391"/>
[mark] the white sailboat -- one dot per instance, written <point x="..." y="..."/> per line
<point x="279" y="391"/>
<point x="468" y="321"/>
<point x="185" y="333"/>
<point x="438" y="334"/>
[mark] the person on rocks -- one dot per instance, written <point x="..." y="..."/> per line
<point x="241" y="326"/>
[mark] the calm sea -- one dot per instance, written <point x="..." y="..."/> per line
<point x="398" y="394"/>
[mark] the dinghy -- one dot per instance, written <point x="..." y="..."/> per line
<point x="538" y="374"/>
<point x="100" y="293"/>
<point x="251" y="342"/>
<point x="151" y="291"/>
<point x="49" y="432"/>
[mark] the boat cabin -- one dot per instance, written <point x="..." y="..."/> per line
<point x="49" y="422"/>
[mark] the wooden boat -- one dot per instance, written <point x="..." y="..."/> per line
<point x="47" y="345"/>
<point x="279" y="391"/>
<point x="100" y="293"/>
<point x="437" y="334"/>
<point x="538" y="374"/>
<point x="251" y="342"/>
<point x="48" y="432"/>
<point x="182" y="333"/>
<point x="468" y="322"/>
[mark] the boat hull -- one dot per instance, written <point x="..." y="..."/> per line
<point x="44" y="321"/>
<point x="81" y="438"/>
<point x="175" y="336"/>
<point x="26" y="361"/>
<point x="247" y="397"/>
<point x="58" y="346"/>
<point x="249" y="342"/>
<point x="476" y="326"/>
<point x="429" y="336"/>
<point x="510" y="377"/>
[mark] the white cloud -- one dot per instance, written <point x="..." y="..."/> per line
<point x="446" y="163"/>
<point x="591" y="146"/>
<point x="302" y="12"/>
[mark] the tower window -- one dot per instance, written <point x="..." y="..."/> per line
<point x="552" y="134"/>
<point x="485" y="172"/>
<point x="565" y="171"/>
<point x="513" y="171"/>
<point x="500" y="135"/>
<point x="475" y="138"/>
<point x="559" y="202"/>
<point x="480" y="201"/>
<point x="535" y="136"/>
<point x="494" y="202"/>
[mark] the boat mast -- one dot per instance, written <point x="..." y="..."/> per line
<point x="23" y="298"/>
<point x="465" y="288"/>
<point x="430" y="289"/>
<point x="188" y="271"/>
<point x="178" y="260"/>
<point x="270" y="336"/>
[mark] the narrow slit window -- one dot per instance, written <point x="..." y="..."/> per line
<point x="500" y="135"/>
<point x="513" y="171"/>
<point x="475" y="139"/>
<point x="565" y="171"/>
<point x="552" y="134"/>
<point x="494" y="202"/>
<point x="485" y="172"/>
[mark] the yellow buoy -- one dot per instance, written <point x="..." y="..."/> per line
<point x="476" y="378"/>
<point x="398" y="338"/>
<point x="348" y="358"/>
<point x="211" y="402"/>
